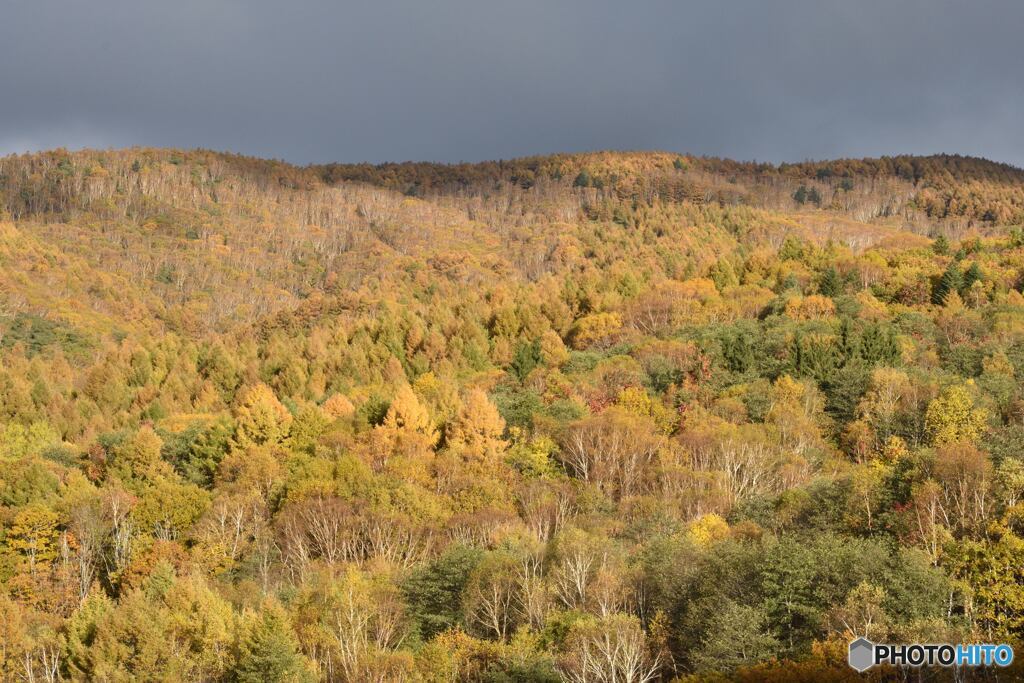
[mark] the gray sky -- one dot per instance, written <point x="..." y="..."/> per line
<point x="450" y="80"/>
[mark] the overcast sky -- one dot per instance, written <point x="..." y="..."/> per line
<point x="449" y="80"/>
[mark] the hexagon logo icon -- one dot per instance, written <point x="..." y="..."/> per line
<point x="862" y="654"/>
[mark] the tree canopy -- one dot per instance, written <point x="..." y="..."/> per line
<point x="633" y="417"/>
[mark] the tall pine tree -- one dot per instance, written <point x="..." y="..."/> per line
<point x="951" y="281"/>
<point x="972" y="275"/>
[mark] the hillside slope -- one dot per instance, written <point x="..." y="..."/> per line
<point x="220" y="239"/>
<point x="422" y="422"/>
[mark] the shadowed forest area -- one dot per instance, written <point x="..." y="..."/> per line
<point x="595" y="417"/>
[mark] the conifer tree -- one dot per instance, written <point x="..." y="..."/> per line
<point x="269" y="652"/>
<point x="261" y="419"/>
<point x="972" y="275"/>
<point x="831" y="283"/>
<point x="952" y="280"/>
<point x="478" y="427"/>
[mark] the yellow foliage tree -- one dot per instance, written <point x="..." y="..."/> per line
<point x="260" y="418"/>
<point x="478" y="428"/>
<point x="707" y="529"/>
<point x="638" y="402"/>
<point x="810" y="307"/>
<point x="408" y="431"/>
<point x="140" y="458"/>
<point x="595" y="330"/>
<point x="952" y="417"/>
<point x="407" y="414"/>
<point x="33" y="535"/>
<point x="552" y="349"/>
<point x="338" y="406"/>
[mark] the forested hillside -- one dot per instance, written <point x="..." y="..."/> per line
<point x="600" y="417"/>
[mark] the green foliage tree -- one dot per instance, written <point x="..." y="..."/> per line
<point x="831" y="283"/>
<point x="268" y="651"/>
<point x="971" y="275"/>
<point x="952" y="280"/>
<point x="737" y="636"/>
<point x="434" y="591"/>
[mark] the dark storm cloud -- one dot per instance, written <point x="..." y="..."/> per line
<point x="310" y="80"/>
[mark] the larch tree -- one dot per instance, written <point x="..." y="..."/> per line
<point x="260" y="419"/>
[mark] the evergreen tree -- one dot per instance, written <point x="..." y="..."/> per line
<point x="723" y="275"/>
<point x="792" y="249"/>
<point x="849" y="343"/>
<point x="269" y="652"/>
<point x="738" y="352"/>
<point x="878" y="345"/>
<point x="972" y="275"/>
<point x="582" y="180"/>
<point x="736" y="635"/>
<point x="815" y="356"/>
<point x="951" y="281"/>
<point x="831" y="283"/>
<point x="527" y="357"/>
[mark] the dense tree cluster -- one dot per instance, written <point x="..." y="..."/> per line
<point x="960" y="191"/>
<point x="526" y="421"/>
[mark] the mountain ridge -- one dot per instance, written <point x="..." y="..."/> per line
<point x="951" y="191"/>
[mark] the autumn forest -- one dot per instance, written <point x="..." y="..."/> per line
<point x="630" y="417"/>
